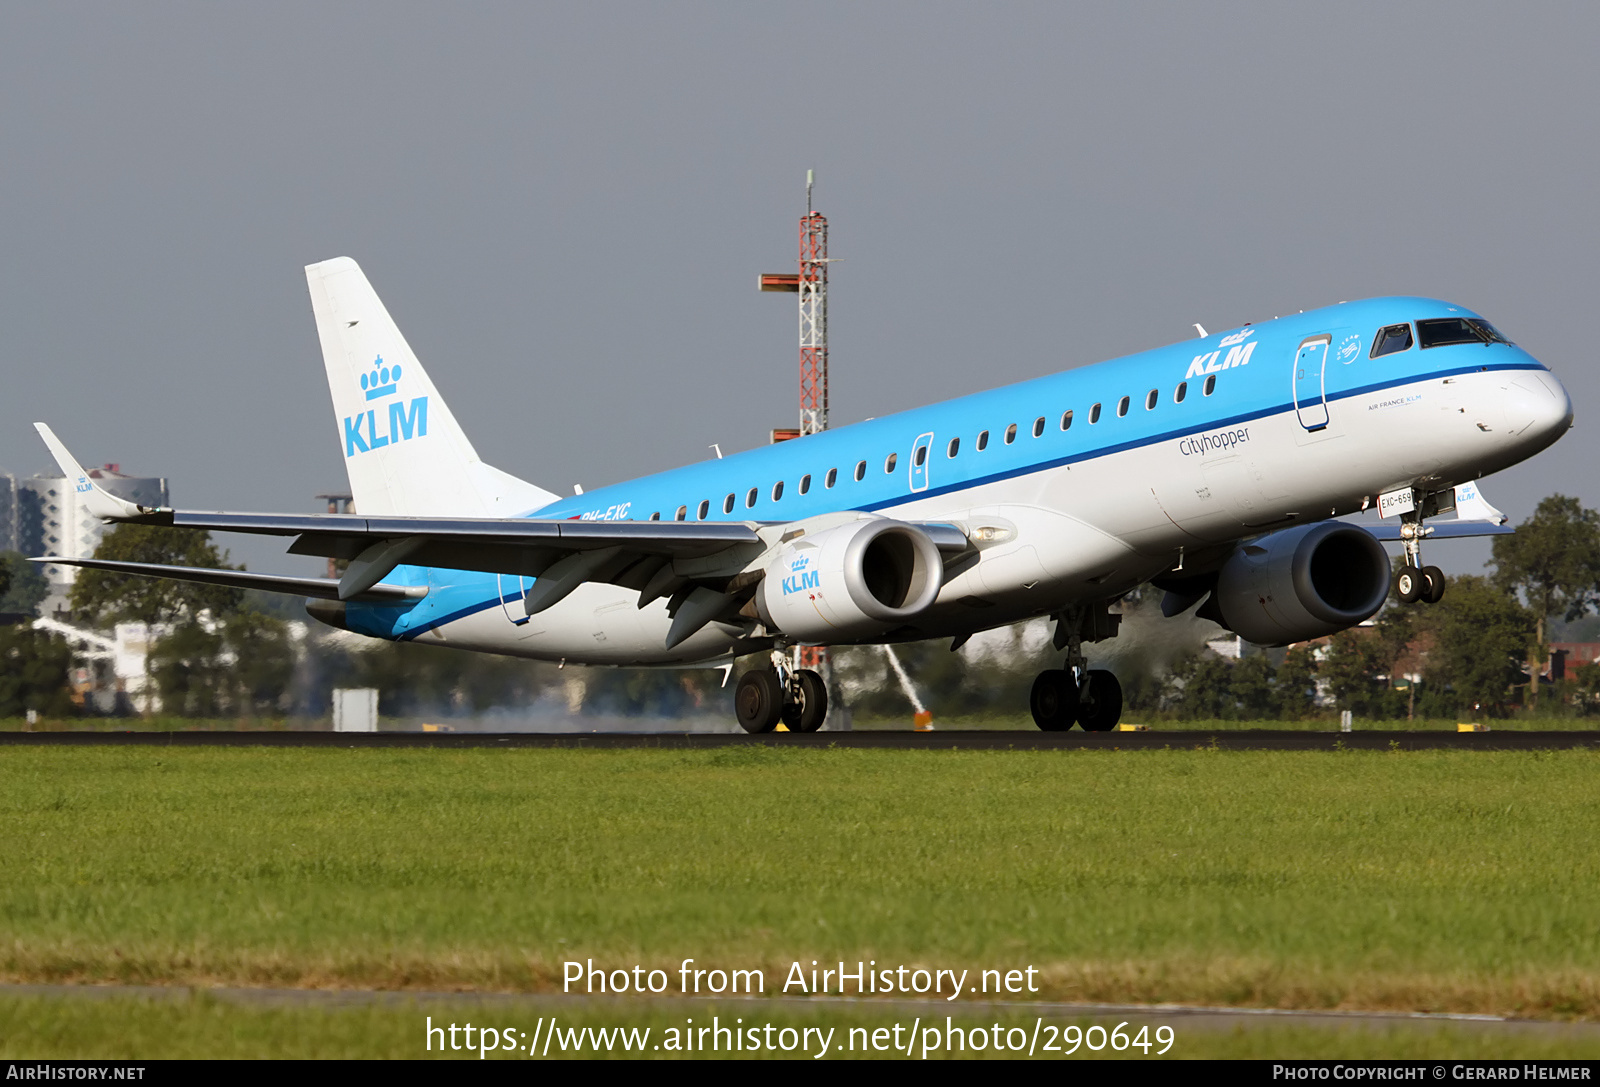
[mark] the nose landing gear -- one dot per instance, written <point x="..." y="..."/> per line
<point x="1415" y="581"/>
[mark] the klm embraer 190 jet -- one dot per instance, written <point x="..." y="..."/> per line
<point x="1212" y="469"/>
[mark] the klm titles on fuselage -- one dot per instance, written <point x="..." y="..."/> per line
<point x="1239" y="352"/>
<point x="406" y="419"/>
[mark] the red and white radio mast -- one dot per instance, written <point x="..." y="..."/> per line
<point x="811" y="284"/>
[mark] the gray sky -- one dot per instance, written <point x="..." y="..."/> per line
<point x="565" y="207"/>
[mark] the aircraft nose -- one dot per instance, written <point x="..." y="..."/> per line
<point x="1537" y="407"/>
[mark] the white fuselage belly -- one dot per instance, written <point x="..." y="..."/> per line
<point x="1097" y="528"/>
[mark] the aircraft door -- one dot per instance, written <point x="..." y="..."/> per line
<point x="921" y="454"/>
<point x="512" y="589"/>
<point x="1310" y="396"/>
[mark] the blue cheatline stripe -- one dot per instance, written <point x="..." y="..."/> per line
<point x="1283" y="407"/>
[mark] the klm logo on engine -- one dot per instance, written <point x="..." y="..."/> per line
<point x="800" y="579"/>
<point x="799" y="583"/>
<point x="403" y="419"/>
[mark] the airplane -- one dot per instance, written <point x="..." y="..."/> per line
<point x="1214" y="469"/>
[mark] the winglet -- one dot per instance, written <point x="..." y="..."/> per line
<point x="99" y="502"/>
<point x="1471" y="505"/>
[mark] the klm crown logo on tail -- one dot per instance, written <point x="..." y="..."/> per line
<point x="406" y="420"/>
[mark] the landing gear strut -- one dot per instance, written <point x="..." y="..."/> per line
<point x="1415" y="581"/>
<point x="796" y="696"/>
<point x="1091" y="697"/>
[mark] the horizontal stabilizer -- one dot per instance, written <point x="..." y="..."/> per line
<point x="320" y="587"/>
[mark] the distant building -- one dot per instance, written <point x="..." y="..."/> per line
<point x="10" y="540"/>
<point x="51" y="520"/>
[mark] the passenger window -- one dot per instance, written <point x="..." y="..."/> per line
<point x="1066" y="420"/>
<point x="955" y="447"/>
<point x="922" y="455"/>
<point x="832" y="478"/>
<point x="1038" y="426"/>
<point x="777" y="490"/>
<point x="1122" y="407"/>
<point x="861" y="471"/>
<point x="727" y="504"/>
<point x="683" y="511"/>
<point x="1391" y="340"/>
<point x="983" y="441"/>
<point x="1094" y="414"/>
<point x="805" y="485"/>
<point x="705" y="508"/>
<point x="1011" y="433"/>
<point x="889" y="462"/>
<point x="1210" y="385"/>
<point x="656" y="516"/>
<point x="750" y="498"/>
<point x="1151" y="398"/>
<point x="1180" y="392"/>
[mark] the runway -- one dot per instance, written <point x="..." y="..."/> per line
<point x="1153" y="740"/>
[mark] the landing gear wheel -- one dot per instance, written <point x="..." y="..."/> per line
<point x="1054" y="700"/>
<point x="1099" y="701"/>
<point x="807" y="714"/>
<point x="1433" y="579"/>
<point x="1408" y="584"/>
<point x="758" y="700"/>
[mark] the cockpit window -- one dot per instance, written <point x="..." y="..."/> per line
<point x="1390" y="340"/>
<point x="1443" y="331"/>
<point x="1487" y="329"/>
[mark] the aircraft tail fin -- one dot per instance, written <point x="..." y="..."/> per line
<point x="403" y="449"/>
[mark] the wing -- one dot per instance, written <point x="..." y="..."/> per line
<point x="627" y="553"/>
<point x="671" y="559"/>
<point x="320" y="587"/>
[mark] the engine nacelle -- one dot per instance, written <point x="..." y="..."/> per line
<point x="1302" y="583"/>
<point x="851" y="581"/>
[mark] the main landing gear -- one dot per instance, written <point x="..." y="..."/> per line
<point x="1414" y="581"/>
<point x="795" y="696"/>
<point x="1078" y="694"/>
<point x="1060" y="700"/>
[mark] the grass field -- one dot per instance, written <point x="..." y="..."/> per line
<point x="1430" y="881"/>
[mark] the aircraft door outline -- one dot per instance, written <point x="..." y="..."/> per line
<point x="921" y="454"/>
<point x="1310" y="394"/>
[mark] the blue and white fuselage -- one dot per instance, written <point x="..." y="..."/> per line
<point x="1073" y="486"/>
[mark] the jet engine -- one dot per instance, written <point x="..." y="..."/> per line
<point x="850" y="581"/>
<point x="1302" y="583"/>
